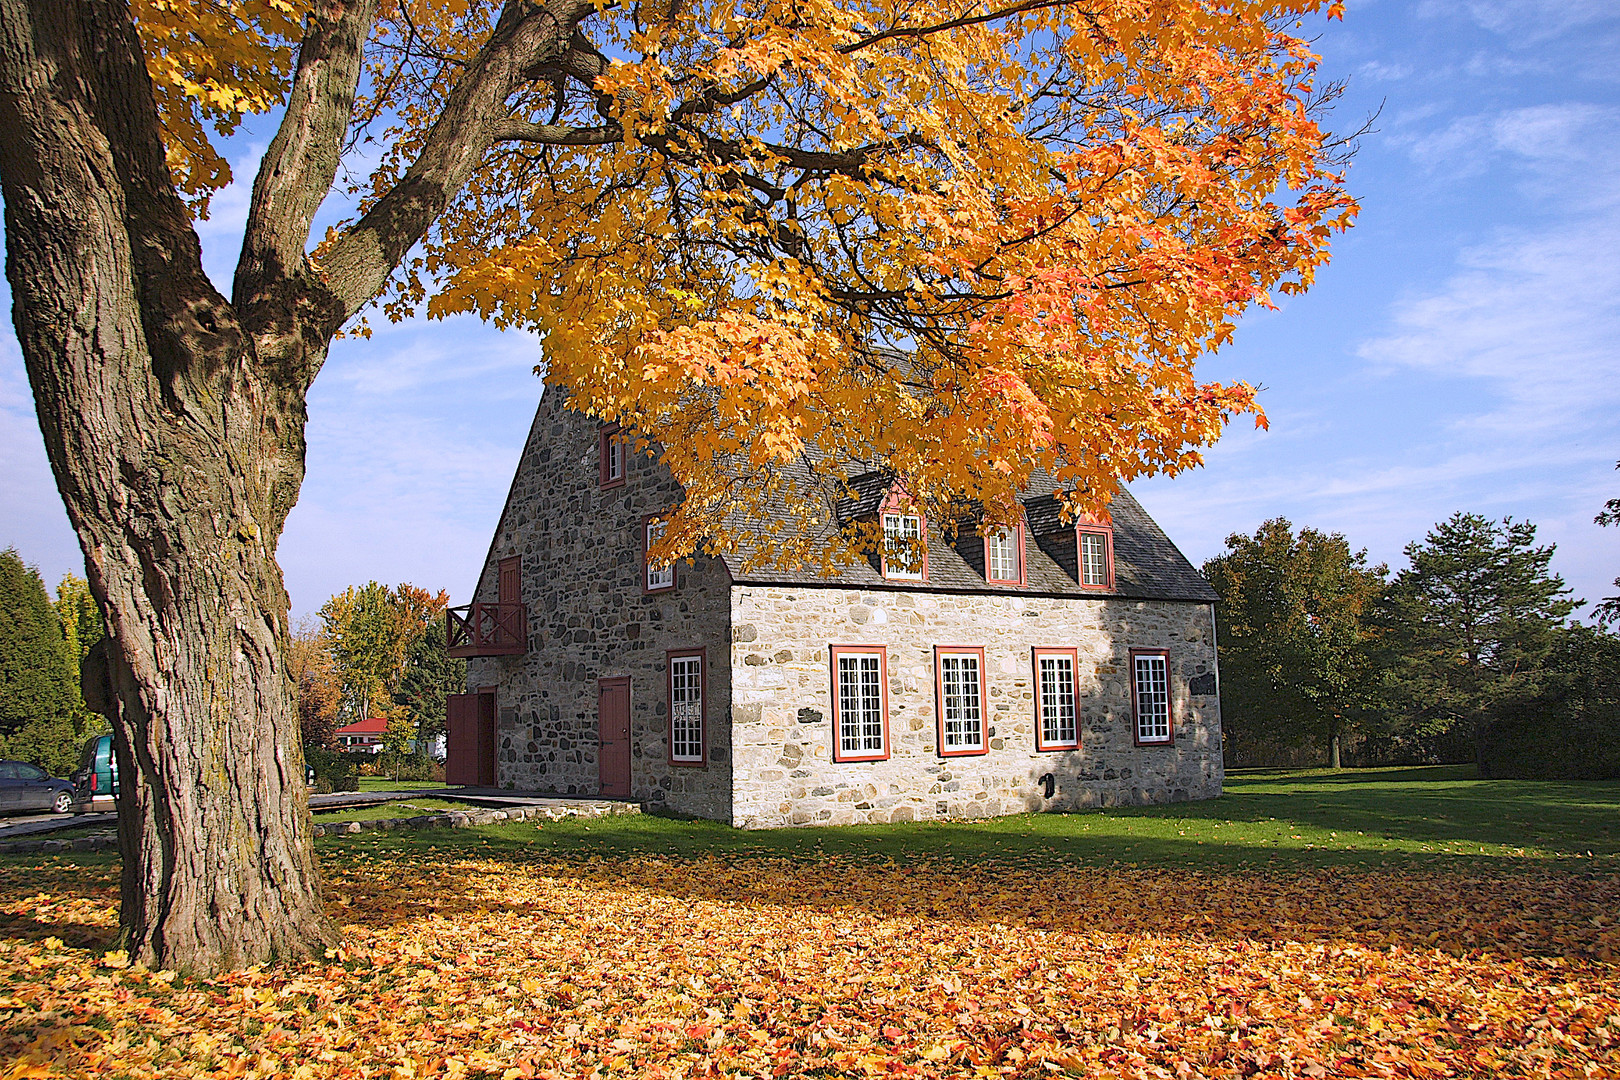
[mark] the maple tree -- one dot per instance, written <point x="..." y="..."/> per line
<point x="723" y="217"/>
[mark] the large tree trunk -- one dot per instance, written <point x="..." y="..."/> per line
<point x="177" y="443"/>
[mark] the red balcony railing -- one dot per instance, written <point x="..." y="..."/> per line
<point x="488" y="630"/>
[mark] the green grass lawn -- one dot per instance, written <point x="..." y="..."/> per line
<point x="397" y="809"/>
<point x="1432" y="817"/>
<point x="382" y="783"/>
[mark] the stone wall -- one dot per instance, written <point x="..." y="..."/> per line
<point x="782" y="710"/>
<point x="589" y="619"/>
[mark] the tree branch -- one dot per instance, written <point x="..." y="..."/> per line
<point x="527" y="35"/>
<point x="556" y="134"/>
<point x="299" y="167"/>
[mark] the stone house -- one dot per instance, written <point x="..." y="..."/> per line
<point x="1050" y="666"/>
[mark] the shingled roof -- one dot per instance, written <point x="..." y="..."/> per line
<point x="1147" y="566"/>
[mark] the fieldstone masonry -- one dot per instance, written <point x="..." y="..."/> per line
<point x="782" y="733"/>
<point x="769" y="679"/>
<point x="589" y="619"/>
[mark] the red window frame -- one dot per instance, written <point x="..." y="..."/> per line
<point x="1073" y="655"/>
<point x="1107" y="533"/>
<point x="670" y="656"/>
<point x="674" y="573"/>
<point x="833" y="653"/>
<point x="606" y="438"/>
<point x="1018" y="540"/>
<point x="1169" y="702"/>
<point x="940" y="652"/>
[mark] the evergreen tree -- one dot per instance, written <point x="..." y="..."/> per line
<point x="1471" y="624"/>
<point x="39" y="674"/>
<point x="430" y="676"/>
<point x="1294" y="653"/>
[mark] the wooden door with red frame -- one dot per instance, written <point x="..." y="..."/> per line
<point x="469" y="740"/>
<point x="613" y="736"/>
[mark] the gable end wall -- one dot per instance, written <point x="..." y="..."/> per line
<point x="581" y="552"/>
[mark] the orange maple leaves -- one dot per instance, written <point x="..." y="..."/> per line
<point x="763" y="967"/>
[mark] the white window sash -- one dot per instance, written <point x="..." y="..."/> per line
<point x="1003" y="555"/>
<point x="960" y="701"/>
<point x="903" y="530"/>
<point x="1059" y="722"/>
<point x="1152" y="699"/>
<point x="686" y="708"/>
<point x="615" y="458"/>
<point x="1093" y="559"/>
<point x="658" y="577"/>
<point x="860" y="705"/>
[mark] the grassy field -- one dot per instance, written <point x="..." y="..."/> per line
<point x="382" y="783"/>
<point x="398" y="809"/>
<point x="1418" y="816"/>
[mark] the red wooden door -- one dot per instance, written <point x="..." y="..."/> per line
<point x="469" y="740"/>
<point x="509" y="590"/>
<point x="461" y="739"/>
<point x="486" y="739"/>
<point x="613" y="735"/>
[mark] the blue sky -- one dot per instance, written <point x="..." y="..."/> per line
<point x="1462" y="352"/>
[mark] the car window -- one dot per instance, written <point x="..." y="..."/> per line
<point x="8" y="770"/>
<point x="30" y="772"/>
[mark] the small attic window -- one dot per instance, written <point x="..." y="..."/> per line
<point x="610" y="456"/>
<point x="1004" y="555"/>
<point x="905" y="557"/>
<point x="1096" y="557"/>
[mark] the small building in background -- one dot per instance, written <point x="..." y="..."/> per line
<point x="362" y="735"/>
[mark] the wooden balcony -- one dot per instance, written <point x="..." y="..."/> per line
<point x="487" y="630"/>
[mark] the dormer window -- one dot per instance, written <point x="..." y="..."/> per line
<point x="904" y="557"/>
<point x="1004" y="555"/>
<point x="1096" y="557"/>
<point x="610" y="456"/>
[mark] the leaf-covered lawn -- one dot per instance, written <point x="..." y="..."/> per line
<point x="549" y="964"/>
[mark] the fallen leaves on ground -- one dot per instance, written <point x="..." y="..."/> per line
<point x="772" y="968"/>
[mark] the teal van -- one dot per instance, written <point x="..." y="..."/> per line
<point x="95" y="781"/>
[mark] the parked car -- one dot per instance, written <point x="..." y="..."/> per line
<point x="28" y="787"/>
<point x="95" y="781"/>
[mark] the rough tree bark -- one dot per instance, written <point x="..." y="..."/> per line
<point x="174" y="422"/>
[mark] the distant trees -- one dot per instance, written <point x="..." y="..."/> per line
<point x="1471" y="625"/>
<point x="1608" y="609"/>
<point x="43" y="718"/>
<point x="1469" y="650"/>
<point x="375" y="651"/>
<point x="370" y="631"/>
<point x="1295" y="647"/>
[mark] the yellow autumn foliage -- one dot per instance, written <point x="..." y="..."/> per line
<point x="784" y="240"/>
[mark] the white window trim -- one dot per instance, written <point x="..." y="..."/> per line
<point x="688" y="661"/>
<point x="657" y="578"/>
<point x="840" y="653"/>
<point x="1147" y="661"/>
<point x="962" y="747"/>
<point x="1070" y="658"/>
<point x="1011" y="535"/>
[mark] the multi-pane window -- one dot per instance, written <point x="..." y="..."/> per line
<point x="961" y="701"/>
<point x="1151" y="691"/>
<point x="1055" y="699"/>
<point x="658" y="577"/>
<point x="610" y="456"/>
<point x="686" y="708"/>
<point x="903" y="546"/>
<point x="1001" y="555"/>
<point x="1094" y="560"/>
<point x="860" y="728"/>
